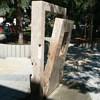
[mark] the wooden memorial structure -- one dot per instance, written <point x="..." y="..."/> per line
<point x="48" y="76"/>
<point x="15" y="72"/>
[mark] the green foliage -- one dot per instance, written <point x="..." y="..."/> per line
<point x="25" y="3"/>
<point x="77" y="10"/>
<point x="4" y="7"/>
<point x="50" y="17"/>
<point x="12" y="1"/>
<point x="7" y="5"/>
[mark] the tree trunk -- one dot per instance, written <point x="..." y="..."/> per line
<point x="19" y="22"/>
<point x="91" y="31"/>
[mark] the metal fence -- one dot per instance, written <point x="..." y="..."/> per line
<point x="8" y="50"/>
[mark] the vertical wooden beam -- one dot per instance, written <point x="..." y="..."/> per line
<point x="68" y="32"/>
<point x="37" y="34"/>
<point x="54" y="49"/>
<point x="55" y="60"/>
<point x="37" y="39"/>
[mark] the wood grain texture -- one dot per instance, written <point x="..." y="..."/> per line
<point x="54" y="66"/>
<point x="39" y="9"/>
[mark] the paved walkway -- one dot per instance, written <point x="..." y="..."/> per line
<point x="15" y="78"/>
<point x="63" y="93"/>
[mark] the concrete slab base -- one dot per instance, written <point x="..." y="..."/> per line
<point x="63" y="93"/>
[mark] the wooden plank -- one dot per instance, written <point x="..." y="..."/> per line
<point x="55" y="60"/>
<point x="39" y="9"/>
<point x="57" y="72"/>
<point x="37" y="38"/>
<point x="67" y="39"/>
<point x="55" y="44"/>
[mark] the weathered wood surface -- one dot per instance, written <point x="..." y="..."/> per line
<point x="39" y="9"/>
<point x="56" y="56"/>
<point x="58" y="42"/>
<point x="57" y="71"/>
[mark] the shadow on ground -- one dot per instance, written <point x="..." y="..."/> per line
<point x="7" y="93"/>
<point x="37" y="93"/>
<point x="82" y="68"/>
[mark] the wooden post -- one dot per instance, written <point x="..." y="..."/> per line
<point x="56" y="57"/>
<point x="37" y="34"/>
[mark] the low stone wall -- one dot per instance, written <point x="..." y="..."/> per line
<point x="8" y="50"/>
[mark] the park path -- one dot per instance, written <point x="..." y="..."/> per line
<point x="15" y="78"/>
<point x="81" y="79"/>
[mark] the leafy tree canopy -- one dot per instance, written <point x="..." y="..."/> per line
<point x="6" y="5"/>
